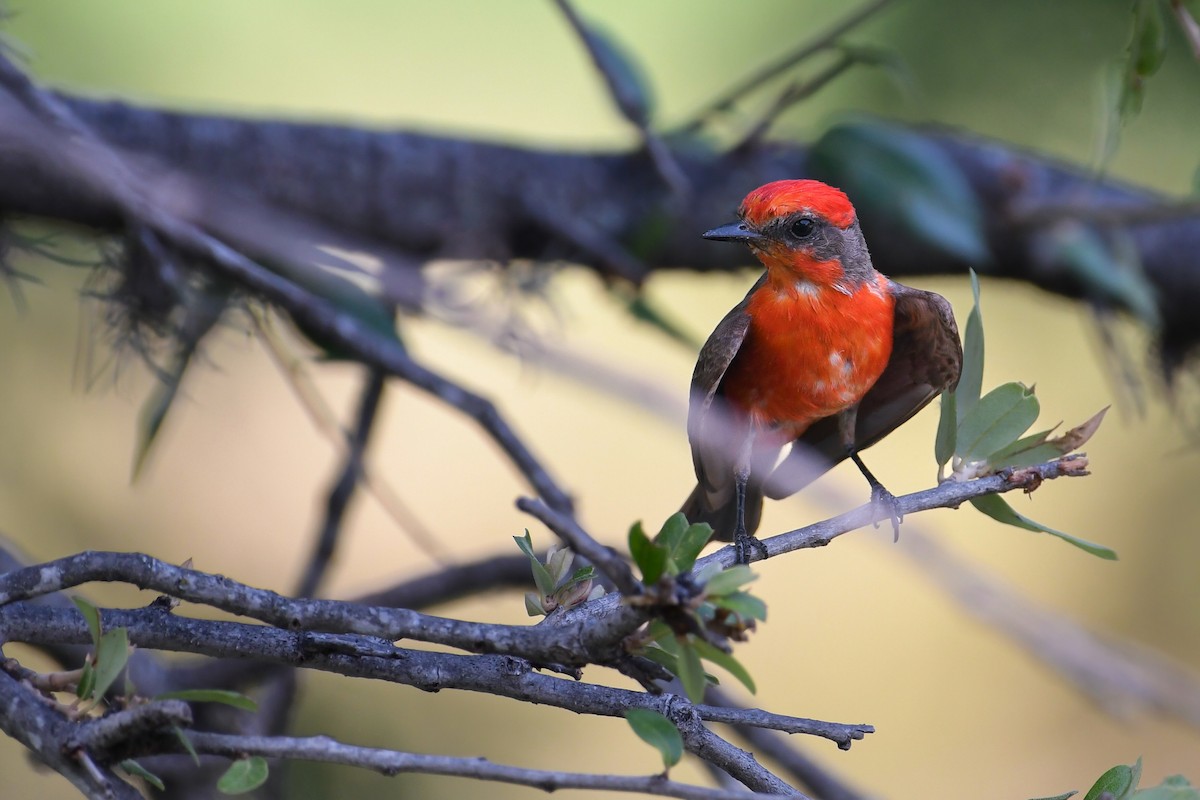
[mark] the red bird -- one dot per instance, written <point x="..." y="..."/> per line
<point x="823" y="351"/>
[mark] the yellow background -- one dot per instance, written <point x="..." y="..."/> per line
<point x="855" y="633"/>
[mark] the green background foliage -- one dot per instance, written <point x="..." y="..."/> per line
<point x="855" y="634"/>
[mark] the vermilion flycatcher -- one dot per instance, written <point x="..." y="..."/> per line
<point x="823" y="351"/>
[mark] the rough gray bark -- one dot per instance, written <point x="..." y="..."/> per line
<point x="438" y="196"/>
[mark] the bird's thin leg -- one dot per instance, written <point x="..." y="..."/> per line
<point x="882" y="496"/>
<point x="879" y="495"/>
<point x="743" y="540"/>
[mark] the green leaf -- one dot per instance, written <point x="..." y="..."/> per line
<point x="371" y="311"/>
<point x="87" y="681"/>
<point x="664" y="659"/>
<point x="649" y="557"/>
<point x="91" y="615"/>
<point x="541" y="576"/>
<point x="1107" y="273"/>
<point x="642" y="310"/>
<point x="691" y="671"/>
<point x="657" y="731"/>
<point x="579" y="576"/>
<point x="693" y="541"/>
<point x="1120" y="782"/>
<point x="620" y="69"/>
<point x="533" y="604"/>
<point x="727" y="580"/>
<point x="223" y="696"/>
<point x="726" y="662"/>
<point x="998" y="509"/>
<point x="1024" y="445"/>
<point x="244" y="775"/>
<point x="970" y="382"/>
<point x="132" y="767"/>
<point x="111" y="656"/>
<point x="1174" y="787"/>
<point x="895" y="175"/>
<point x="1038" y="448"/>
<point x="187" y="743"/>
<point x="559" y="565"/>
<point x="669" y="538"/>
<point x="525" y="545"/>
<point x="1149" y="45"/>
<point x="946" y="441"/>
<point x="998" y="419"/>
<point x="744" y="604"/>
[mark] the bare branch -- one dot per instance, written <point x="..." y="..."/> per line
<point x="810" y="48"/>
<point x="629" y="102"/>
<point x="393" y="762"/>
<point x="343" y="488"/>
<point x="844" y="735"/>
<point x="948" y="495"/>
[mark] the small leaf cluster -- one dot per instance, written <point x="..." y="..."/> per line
<point x="980" y="436"/>
<point x="696" y="613"/>
<point x="558" y="586"/>
<point x="101" y="668"/>
<point x="1121" y="783"/>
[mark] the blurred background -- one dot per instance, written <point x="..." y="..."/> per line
<point x="855" y="633"/>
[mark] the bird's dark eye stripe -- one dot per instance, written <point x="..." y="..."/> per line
<point x="803" y="228"/>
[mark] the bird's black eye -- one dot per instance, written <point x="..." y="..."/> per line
<point x="803" y="228"/>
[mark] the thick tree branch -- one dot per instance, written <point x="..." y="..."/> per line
<point x="310" y="172"/>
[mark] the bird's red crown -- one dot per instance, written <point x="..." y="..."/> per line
<point x="780" y="198"/>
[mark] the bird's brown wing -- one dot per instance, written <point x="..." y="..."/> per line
<point x="926" y="360"/>
<point x="712" y="429"/>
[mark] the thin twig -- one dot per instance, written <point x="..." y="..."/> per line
<point x="793" y="94"/>
<point x="631" y="105"/>
<point x="89" y="155"/>
<point x="1188" y="25"/>
<point x="605" y="559"/>
<point x="841" y="733"/>
<point x="319" y="412"/>
<point x="343" y="488"/>
<point x="599" y="623"/>
<point x="393" y="762"/>
<point x="713" y="749"/>
<point x="819" y="780"/>
<point x="775" y="68"/>
<point x="950" y="494"/>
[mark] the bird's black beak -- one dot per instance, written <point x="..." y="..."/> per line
<point x="733" y="232"/>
